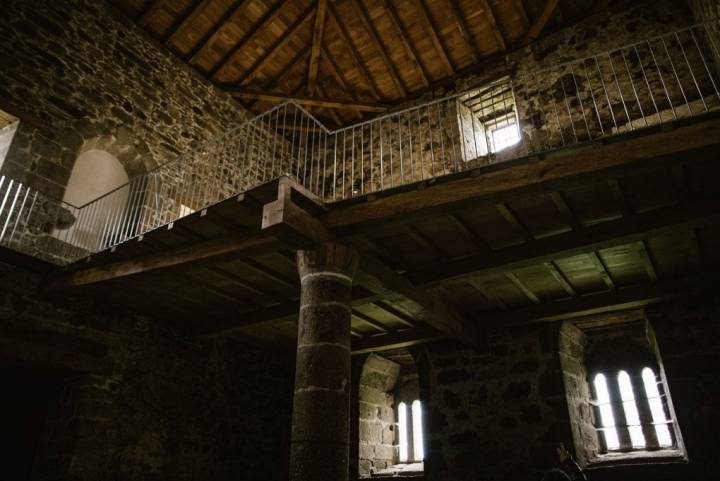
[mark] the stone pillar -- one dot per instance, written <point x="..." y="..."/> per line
<point x="321" y="408"/>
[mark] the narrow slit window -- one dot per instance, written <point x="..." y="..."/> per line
<point x="656" y="408"/>
<point x="607" y="418"/>
<point x="403" y="432"/>
<point x="637" y="438"/>
<point x="418" y="450"/>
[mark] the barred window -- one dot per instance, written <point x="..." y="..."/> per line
<point x="631" y="411"/>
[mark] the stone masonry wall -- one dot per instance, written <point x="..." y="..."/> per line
<point x="500" y="416"/>
<point x="142" y="402"/>
<point x="87" y="73"/>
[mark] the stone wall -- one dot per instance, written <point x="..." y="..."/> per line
<point x="87" y="73"/>
<point x="140" y="401"/>
<point x="500" y="416"/>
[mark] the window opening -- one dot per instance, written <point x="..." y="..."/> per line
<point x="403" y="432"/>
<point x="632" y="416"/>
<point x="657" y="410"/>
<point x="418" y="452"/>
<point x="8" y="127"/>
<point x="607" y="418"/>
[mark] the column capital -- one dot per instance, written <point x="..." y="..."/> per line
<point x="329" y="257"/>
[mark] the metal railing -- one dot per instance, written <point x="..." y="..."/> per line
<point x="629" y="88"/>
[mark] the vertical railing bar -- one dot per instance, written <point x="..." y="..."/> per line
<point x="582" y="107"/>
<point x="707" y="69"/>
<point x="412" y="157"/>
<point x="690" y="69"/>
<point x="607" y="95"/>
<point x="362" y="159"/>
<point x="10" y="210"/>
<point x="400" y="150"/>
<point x="19" y="215"/>
<point x="344" y="172"/>
<point x="592" y="95"/>
<point x="420" y="145"/>
<point x="567" y="106"/>
<point x="432" y="142"/>
<point x="622" y="97"/>
<point x="442" y="137"/>
<point x="352" y="163"/>
<point x="632" y="83"/>
<point x="382" y="167"/>
<point x="647" y="82"/>
<point x="677" y="77"/>
<point x="335" y="168"/>
<point x="662" y="81"/>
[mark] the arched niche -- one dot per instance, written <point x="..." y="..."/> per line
<point x="97" y="174"/>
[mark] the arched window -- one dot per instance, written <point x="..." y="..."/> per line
<point x="96" y="173"/>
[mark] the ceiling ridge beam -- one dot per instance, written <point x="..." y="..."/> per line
<point x="372" y="32"/>
<point x="318" y="32"/>
<point x="306" y="100"/>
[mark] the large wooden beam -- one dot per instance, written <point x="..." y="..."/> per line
<point x="426" y="18"/>
<point x="179" y="27"/>
<point x="395" y="340"/>
<point x="312" y="101"/>
<point x="362" y="14"/>
<point x="354" y="54"/>
<point x="194" y="252"/>
<point x="539" y="23"/>
<point x="149" y="11"/>
<point x="270" y="15"/>
<point x="556" y="170"/>
<point x="318" y="31"/>
<point x="493" y="25"/>
<point x="588" y="240"/>
<point x="277" y="46"/>
<point x="339" y="77"/>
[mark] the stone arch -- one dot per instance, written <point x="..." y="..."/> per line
<point x="132" y="152"/>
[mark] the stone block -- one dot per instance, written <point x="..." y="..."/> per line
<point x="388" y="434"/>
<point x="384" y="451"/>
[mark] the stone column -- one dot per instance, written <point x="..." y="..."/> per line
<point x="321" y="409"/>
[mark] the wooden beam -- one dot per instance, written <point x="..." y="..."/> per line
<point x="512" y="219"/>
<point x="395" y="340"/>
<point x="555" y="171"/>
<point x="523" y="288"/>
<point x="312" y="101"/>
<point x="459" y="20"/>
<point x="560" y="278"/>
<point x="538" y="25"/>
<point x="277" y="46"/>
<point x="172" y="257"/>
<point x="216" y="31"/>
<point x="184" y="21"/>
<point x="286" y="70"/>
<point x="647" y="261"/>
<point x="149" y="11"/>
<point x="499" y="38"/>
<point x="586" y="241"/>
<point x="405" y="38"/>
<point x="522" y="12"/>
<point x="270" y="15"/>
<point x="318" y="31"/>
<point x="602" y="270"/>
<point x="354" y="54"/>
<point x="333" y="114"/>
<point x="372" y="32"/>
<point x="426" y="18"/>
<point x="622" y="299"/>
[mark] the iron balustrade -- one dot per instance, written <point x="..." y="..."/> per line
<point x="636" y="86"/>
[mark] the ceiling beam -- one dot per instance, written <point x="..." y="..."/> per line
<point x="216" y="30"/>
<point x="340" y="79"/>
<point x="539" y="23"/>
<point x="277" y="46"/>
<point x="312" y="101"/>
<point x="459" y="19"/>
<point x="490" y="15"/>
<point x="297" y="60"/>
<point x="333" y="114"/>
<point x="426" y="18"/>
<point x="184" y="21"/>
<point x="395" y="340"/>
<point x="318" y="31"/>
<point x="522" y="12"/>
<point x="354" y="54"/>
<point x="405" y="38"/>
<point x="364" y="18"/>
<point x="270" y="15"/>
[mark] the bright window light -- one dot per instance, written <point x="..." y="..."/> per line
<point x="637" y="438"/>
<point x="607" y="419"/>
<point x="656" y="408"/>
<point x="403" y="432"/>
<point x="418" y="452"/>
<point x="504" y="137"/>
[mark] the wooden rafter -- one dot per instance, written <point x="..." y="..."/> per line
<point x="540" y="22"/>
<point x="522" y="12"/>
<point x="185" y="22"/>
<point x="354" y="54"/>
<point x="287" y="69"/>
<point x="459" y="19"/>
<point x="490" y="15"/>
<point x="267" y="18"/>
<point x="332" y="112"/>
<point x="432" y="33"/>
<point x="216" y="31"/>
<point x="405" y="38"/>
<point x="277" y="47"/>
<point x="312" y="101"/>
<point x="364" y="18"/>
<point x="318" y="31"/>
<point x="148" y="12"/>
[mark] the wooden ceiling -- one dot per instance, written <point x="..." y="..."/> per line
<point x="363" y="53"/>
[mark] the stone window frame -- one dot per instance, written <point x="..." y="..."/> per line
<point x="579" y="369"/>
